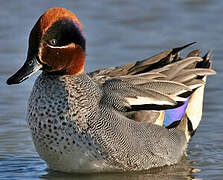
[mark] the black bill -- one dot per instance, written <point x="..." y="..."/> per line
<point x="30" y="67"/>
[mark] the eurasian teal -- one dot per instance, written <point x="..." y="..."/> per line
<point x="133" y="117"/>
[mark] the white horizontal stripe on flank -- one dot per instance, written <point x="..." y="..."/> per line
<point x="147" y="100"/>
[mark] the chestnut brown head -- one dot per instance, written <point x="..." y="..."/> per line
<point x="56" y="45"/>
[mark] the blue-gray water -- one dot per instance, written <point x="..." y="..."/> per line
<point x="117" y="32"/>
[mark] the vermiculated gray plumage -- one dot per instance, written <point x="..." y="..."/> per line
<point x="124" y="143"/>
<point x="90" y="122"/>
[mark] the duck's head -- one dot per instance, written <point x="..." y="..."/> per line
<point x="56" y="46"/>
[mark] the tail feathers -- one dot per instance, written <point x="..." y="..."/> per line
<point x="195" y="106"/>
<point x="189" y="115"/>
<point x="193" y="111"/>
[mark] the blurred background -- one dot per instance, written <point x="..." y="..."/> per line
<point x="117" y="32"/>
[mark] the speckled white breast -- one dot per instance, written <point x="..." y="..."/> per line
<point x="73" y="160"/>
<point x="58" y="116"/>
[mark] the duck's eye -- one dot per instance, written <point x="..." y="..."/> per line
<point x="53" y="42"/>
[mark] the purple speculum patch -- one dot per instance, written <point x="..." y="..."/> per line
<point x="176" y="114"/>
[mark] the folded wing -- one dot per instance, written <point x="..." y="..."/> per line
<point x="144" y="90"/>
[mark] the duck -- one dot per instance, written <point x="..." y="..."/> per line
<point x="133" y="117"/>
